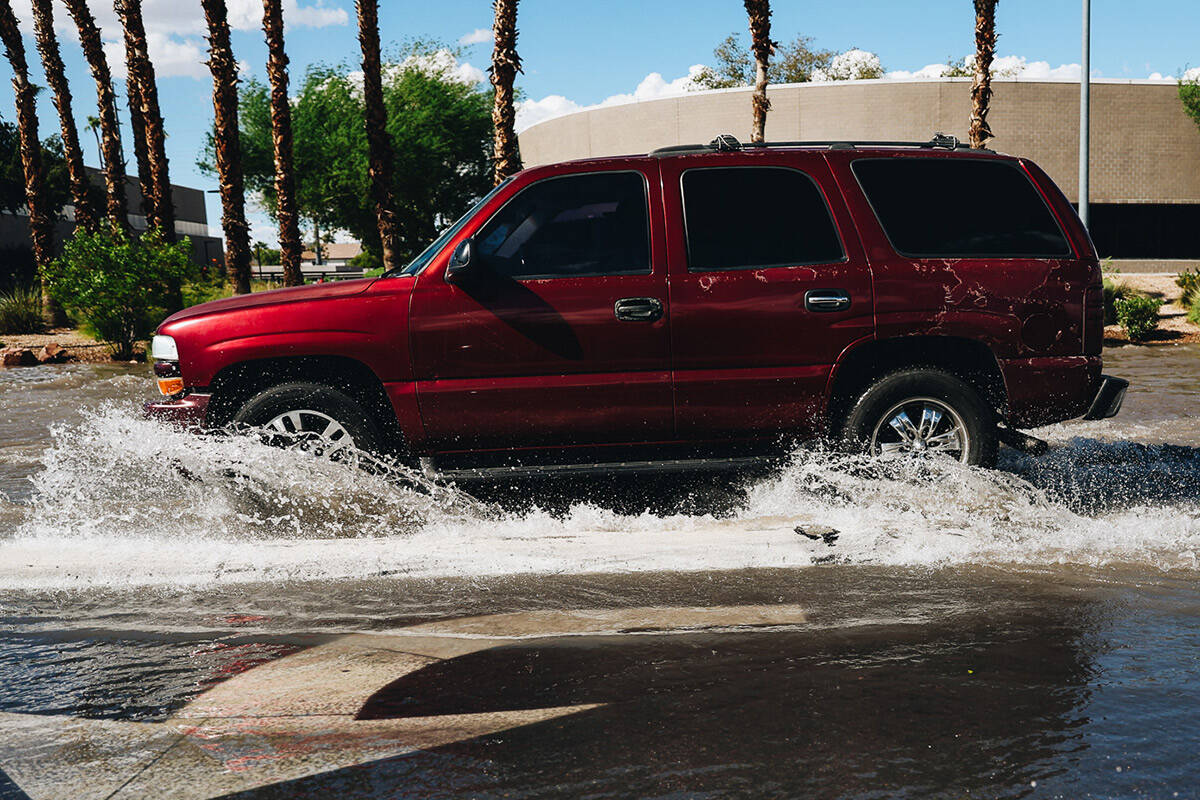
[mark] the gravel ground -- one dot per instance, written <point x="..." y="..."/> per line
<point x="79" y="346"/>
<point x="1173" y="325"/>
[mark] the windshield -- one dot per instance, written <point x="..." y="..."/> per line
<point x="421" y="261"/>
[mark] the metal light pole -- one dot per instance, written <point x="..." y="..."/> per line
<point x="1085" y="114"/>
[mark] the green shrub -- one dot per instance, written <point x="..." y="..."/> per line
<point x="21" y="311"/>
<point x="1194" y="311"/>
<point x="1189" y="282"/>
<point x="117" y="285"/>
<point x="1112" y="293"/>
<point x="1138" y="315"/>
<point x="205" y="289"/>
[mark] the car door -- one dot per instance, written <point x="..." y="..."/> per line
<point x="557" y="334"/>
<point x="768" y="286"/>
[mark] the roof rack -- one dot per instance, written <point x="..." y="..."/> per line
<point x="727" y="143"/>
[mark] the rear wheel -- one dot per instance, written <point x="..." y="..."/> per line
<point x="314" y="418"/>
<point x="920" y="412"/>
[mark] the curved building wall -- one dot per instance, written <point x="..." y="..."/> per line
<point x="1144" y="149"/>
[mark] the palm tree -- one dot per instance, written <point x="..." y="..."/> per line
<point x="52" y="65"/>
<point x="281" y="130"/>
<point x="106" y="101"/>
<point x="93" y="125"/>
<point x="759" y="12"/>
<point x="505" y="65"/>
<point x="143" y="92"/>
<point x="41" y="223"/>
<point x="379" y="146"/>
<point x="228" y="146"/>
<point x="981" y="90"/>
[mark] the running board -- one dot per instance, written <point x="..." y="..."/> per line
<point x="608" y="468"/>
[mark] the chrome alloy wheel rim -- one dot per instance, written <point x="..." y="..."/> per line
<point x="919" y="426"/>
<point x="314" y="432"/>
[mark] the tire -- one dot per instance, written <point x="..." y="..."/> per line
<point x="960" y="417"/>
<point x="329" y="420"/>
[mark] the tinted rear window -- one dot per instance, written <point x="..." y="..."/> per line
<point x="960" y="208"/>
<point x="748" y="217"/>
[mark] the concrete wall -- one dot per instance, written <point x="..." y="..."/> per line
<point x="1144" y="148"/>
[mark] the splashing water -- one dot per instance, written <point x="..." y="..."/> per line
<point x="124" y="501"/>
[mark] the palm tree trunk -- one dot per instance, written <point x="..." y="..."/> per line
<point x="41" y="223"/>
<point x="52" y="65"/>
<point x="759" y="12"/>
<point x="506" y="63"/>
<point x="379" y="146"/>
<point x="141" y="74"/>
<point x="228" y="146"/>
<point x="137" y="127"/>
<point x="981" y="90"/>
<point x="281" y="133"/>
<point x="106" y="101"/>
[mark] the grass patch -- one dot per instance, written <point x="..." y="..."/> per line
<point x="21" y="311"/>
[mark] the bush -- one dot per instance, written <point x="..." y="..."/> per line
<point x="1138" y="315"/>
<point x="1194" y="311"/>
<point x="116" y="284"/>
<point x="1112" y="293"/>
<point x="1189" y="282"/>
<point x="205" y="289"/>
<point x="21" y="311"/>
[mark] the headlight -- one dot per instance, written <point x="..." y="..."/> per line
<point x="163" y="349"/>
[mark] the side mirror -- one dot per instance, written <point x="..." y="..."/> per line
<point x="460" y="260"/>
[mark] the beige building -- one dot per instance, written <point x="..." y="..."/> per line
<point x="1145" y="151"/>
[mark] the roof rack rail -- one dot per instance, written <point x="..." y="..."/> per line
<point x="728" y="143"/>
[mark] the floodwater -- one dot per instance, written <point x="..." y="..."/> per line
<point x="1028" y="632"/>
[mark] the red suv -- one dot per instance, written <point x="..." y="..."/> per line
<point x="699" y="306"/>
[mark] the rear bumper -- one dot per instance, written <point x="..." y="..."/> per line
<point x="187" y="412"/>
<point x="1049" y="389"/>
<point x="1109" y="397"/>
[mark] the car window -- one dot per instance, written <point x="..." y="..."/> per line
<point x="960" y="208"/>
<point x="594" y="224"/>
<point x="750" y="217"/>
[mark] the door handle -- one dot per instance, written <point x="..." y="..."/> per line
<point x="827" y="300"/>
<point x="638" y="309"/>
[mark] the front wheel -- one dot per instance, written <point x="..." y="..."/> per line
<point x="311" y="417"/>
<point x="919" y="412"/>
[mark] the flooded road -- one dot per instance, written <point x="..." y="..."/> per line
<point x="1031" y="631"/>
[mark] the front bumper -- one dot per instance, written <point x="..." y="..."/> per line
<point x="1109" y="397"/>
<point x="186" y="412"/>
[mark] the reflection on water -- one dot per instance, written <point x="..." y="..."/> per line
<point x="1030" y="631"/>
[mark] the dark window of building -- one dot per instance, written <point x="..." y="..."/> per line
<point x="750" y="217"/>
<point x="595" y="224"/>
<point x="960" y="208"/>
<point x="1146" y="230"/>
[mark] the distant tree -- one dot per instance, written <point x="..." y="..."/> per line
<point x="282" y="146"/>
<point x="962" y="68"/>
<point x="379" y="143"/>
<point x="52" y="66"/>
<point x="981" y="90"/>
<point x="796" y="62"/>
<point x="792" y="63"/>
<point x="106" y="103"/>
<point x="227" y="147"/>
<point x="505" y="66"/>
<point x="759" y="12"/>
<point x="1189" y="95"/>
<point x="444" y="165"/>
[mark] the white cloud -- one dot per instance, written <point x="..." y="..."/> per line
<point x="927" y="71"/>
<point x="653" y="87"/>
<point x="851" y="65"/>
<point x="175" y="29"/>
<point x="477" y="36"/>
<point x="1192" y="74"/>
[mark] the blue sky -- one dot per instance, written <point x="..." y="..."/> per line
<point x="583" y="52"/>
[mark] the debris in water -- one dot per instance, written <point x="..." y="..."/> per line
<point x="819" y="533"/>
